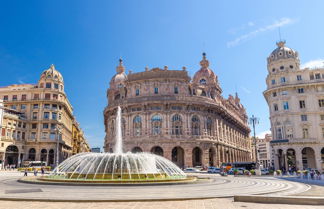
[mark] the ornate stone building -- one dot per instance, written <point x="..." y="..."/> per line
<point x="296" y="103"/>
<point x="167" y="113"/>
<point x="37" y="121"/>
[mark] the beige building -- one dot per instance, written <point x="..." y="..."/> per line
<point x="185" y="120"/>
<point x="264" y="151"/>
<point x="37" y="121"/>
<point x="296" y="103"/>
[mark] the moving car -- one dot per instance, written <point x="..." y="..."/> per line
<point x="191" y="170"/>
<point x="213" y="170"/>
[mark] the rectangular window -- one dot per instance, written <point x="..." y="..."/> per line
<point x="52" y="136"/>
<point x="47" y="106"/>
<point x="283" y="80"/>
<point x="45" y="126"/>
<point x="23" y="106"/>
<point x="5" y="98"/>
<point x="311" y="76"/>
<point x="14" y="107"/>
<point x="137" y="92"/>
<point x="44" y="135"/>
<point x="302" y="104"/>
<point x="54" y="115"/>
<point x="56" y="86"/>
<point x="47" y="96"/>
<point x="285" y="106"/>
<point x="322" y="117"/>
<point x="317" y="76"/>
<point x="48" y="85"/>
<point x="34" y="117"/>
<point x="36" y="96"/>
<point x="299" y="77"/>
<point x="176" y="90"/>
<point x="274" y="94"/>
<point x="305" y="133"/>
<point x="46" y="115"/>
<point x="33" y="135"/>
<point x="156" y="90"/>
<point x="55" y="96"/>
<point x="303" y="117"/>
<point x="321" y="102"/>
<point x="53" y="126"/>
<point x="54" y="106"/>
<point x="23" y="135"/>
<point x="35" y="106"/>
<point x="14" y="98"/>
<point x="273" y="82"/>
<point x="275" y="107"/>
<point x="34" y="125"/>
<point x="300" y="90"/>
<point x="23" y="97"/>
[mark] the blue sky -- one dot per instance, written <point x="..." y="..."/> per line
<point x="84" y="39"/>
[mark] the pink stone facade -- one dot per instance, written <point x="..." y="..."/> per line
<point x="185" y="120"/>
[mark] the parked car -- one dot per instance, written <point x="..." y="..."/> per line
<point x="264" y="171"/>
<point x="240" y="171"/>
<point x="191" y="170"/>
<point x="213" y="170"/>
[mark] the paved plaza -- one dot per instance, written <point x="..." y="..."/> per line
<point x="145" y="197"/>
<point x="216" y="186"/>
<point x="220" y="203"/>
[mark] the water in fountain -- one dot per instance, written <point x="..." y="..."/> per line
<point x="118" y="166"/>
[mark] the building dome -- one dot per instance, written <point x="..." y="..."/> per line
<point x="52" y="74"/>
<point x="205" y="75"/>
<point x="120" y="78"/>
<point x="282" y="52"/>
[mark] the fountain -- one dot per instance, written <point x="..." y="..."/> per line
<point x="117" y="167"/>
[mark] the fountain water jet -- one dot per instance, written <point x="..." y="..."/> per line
<point x="117" y="167"/>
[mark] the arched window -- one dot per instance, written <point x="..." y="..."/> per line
<point x="203" y="93"/>
<point x="176" y="125"/>
<point x="195" y="125"/>
<point x="112" y="128"/>
<point x="32" y="154"/>
<point x="156" y="122"/>
<point x="123" y="126"/>
<point x="209" y="124"/>
<point x="202" y="81"/>
<point x="137" y="125"/>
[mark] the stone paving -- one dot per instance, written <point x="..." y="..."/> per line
<point x="221" y="203"/>
<point x="216" y="187"/>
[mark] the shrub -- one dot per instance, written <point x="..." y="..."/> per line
<point x="252" y="172"/>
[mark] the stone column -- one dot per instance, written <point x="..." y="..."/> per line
<point x="188" y="157"/>
<point x="299" y="159"/>
<point x="318" y="159"/>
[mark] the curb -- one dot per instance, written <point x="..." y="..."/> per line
<point x="105" y="200"/>
<point x="293" y="200"/>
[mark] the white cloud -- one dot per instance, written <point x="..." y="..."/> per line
<point x="247" y="91"/>
<point x="278" y="23"/>
<point x="318" y="63"/>
<point x="262" y="134"/>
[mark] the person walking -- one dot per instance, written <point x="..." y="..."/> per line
<point x="43" y="171"/>
<point x="35" y="171"/>
<point x="26" y="171"/>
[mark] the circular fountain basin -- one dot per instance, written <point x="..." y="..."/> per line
<point x="117" y="168"/>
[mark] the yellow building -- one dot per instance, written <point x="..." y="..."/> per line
<point x="79" y="142"/>
<point x="37" y="121"/>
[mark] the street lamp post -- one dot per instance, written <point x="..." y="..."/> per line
<point x="254" y="121"/>
<point x="58" y="132"/>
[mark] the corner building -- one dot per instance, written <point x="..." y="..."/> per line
<point x="37" y="122"/>
<point x="185" y="120"/>
<point x="295" y="98"/>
